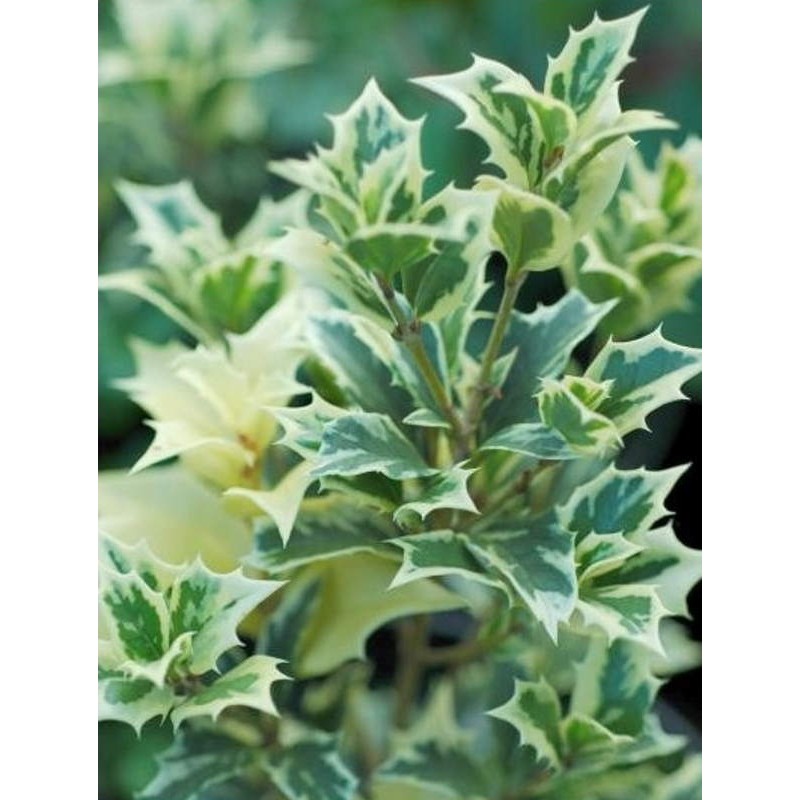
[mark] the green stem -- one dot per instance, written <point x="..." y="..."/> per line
<point x="483" y="386"/>
<point x="412" y="639"/>
<point x="408" y="331"/>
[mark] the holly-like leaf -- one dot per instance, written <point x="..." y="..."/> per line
<point x="614" y="686"/>
<point x="440" y="767"/>
<point x="132" y="700"/>
<point x="591" y="61"/>
<point x="354" y="599"/>
<point x="619" y="501"/>
<point x="180" y="517"/>
<point x="437" y="553"/>
<point x="532" y="439"/>
<point x="661" y="561"/>
<point x="311" y="768"/>
<point x="173" y="224"/>
<point x="326" y="528"/>
<point x="536" y="557"/>
<point x="248" y="684"/>
<point x="198" y="760"/>
<point x="501" y="119"/>
<point x="535" y="712"/>
<point x="447" y="490"/>
<point x="212" y="606"/>
<point x="647" y="373"/>
<point x="368" y="442"/>
<point x="346" y="345"/>
<point x="281" y="503"/>
<point x="544" y="340"/>
<point x="586" y="431"/>
<point x="531" y="231"/>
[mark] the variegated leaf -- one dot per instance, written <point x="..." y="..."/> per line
<point x="586" y="431"/>
<point x="248" y="684"/>
<point x="447" y="490"/>
<point x="614" y="686"/>
<point x="346" y="345"/>
<point x="591" y="62"/>
<point x="197" y="762"/>
<point x="437" y="553"/>
<point x="311" y="768"/>
<point x="619" y="501"/>
<point x="535" y="712"/>
<point x="647" y="373"/>
<point x="662" y="561"/>
<point x="532" y="439"/>
<point x="362" y="442"/>
<point x="132" y="700"/>
<point x="502" y="120"/>
<point x="536" y="557"/>
<point x="531" y="231"/>
<point x="212" y="606"/>
<point x="437" y="767"/>
<point x="173" y="224"/>
<point x="326" y="528"/>
<point x="544" y="340"/>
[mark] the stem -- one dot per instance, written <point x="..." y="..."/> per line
<point x="412" y="640"/>
<point x="408" y="331"/>
<point x="482" y="386"/>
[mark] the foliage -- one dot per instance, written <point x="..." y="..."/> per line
<point x="401" y="458"/>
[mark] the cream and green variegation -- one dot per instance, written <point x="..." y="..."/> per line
<point x="561" y="151"/>
<point x="165" y="624"/>
<point x="437" y="572"/>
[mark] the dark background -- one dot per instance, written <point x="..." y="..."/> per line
<point x="392" y="40"/>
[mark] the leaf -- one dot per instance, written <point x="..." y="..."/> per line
<point x="647" y="374"/>
<point x="531" y="231"/>
<point x="325" y="528"/>
<point x="179" y="516"/>
<point x="502" y="120"/>
<point x="683" y="784"/>
<point x="354" y="600"/>
<point x="591" y="61"/>
<point x="136" y="616"/>
<point x="544" y="340"/>
<point x="139" y="558"/>
<point x="531" y="439"/>
<point x="249" y="684"/>
<point x="435" y="554"/>
<point x="536" y="557"/>
<point x="447" y="490"/>
<point x="282" y="503"/>
<point x="172" y="223"/>
<point x="623" y="611"/>
<point x="587" y="432"/>
<point x="535" y="712"/>
<point x="132" y="700"/>
<point x="454" y="276"/>
<point x="439" y="767"/>
<point x="614" y="686"/>
<point x="663" y="562"/>
<point x="368" y="442"/>
<point x="311" y="768"/>
<point x="345" y="345"/>
<point x="197" y="760"/>
<point x="587" y="741"/>
<point x="303" y="425"/>
<point x="619" y="501"/>
<point x="212" y="606"/>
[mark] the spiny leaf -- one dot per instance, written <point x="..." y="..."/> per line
<point x="368" y="442"/>
<point x="447" y="490"/>
<point x="647" y="373"/>
<point x="536" y="558"/>
<point x="248" y="684"/>
<point x="534" y="710"/>
<point x="132" y="700"/>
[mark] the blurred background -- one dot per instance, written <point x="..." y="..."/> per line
<point x="209" y="90"/>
